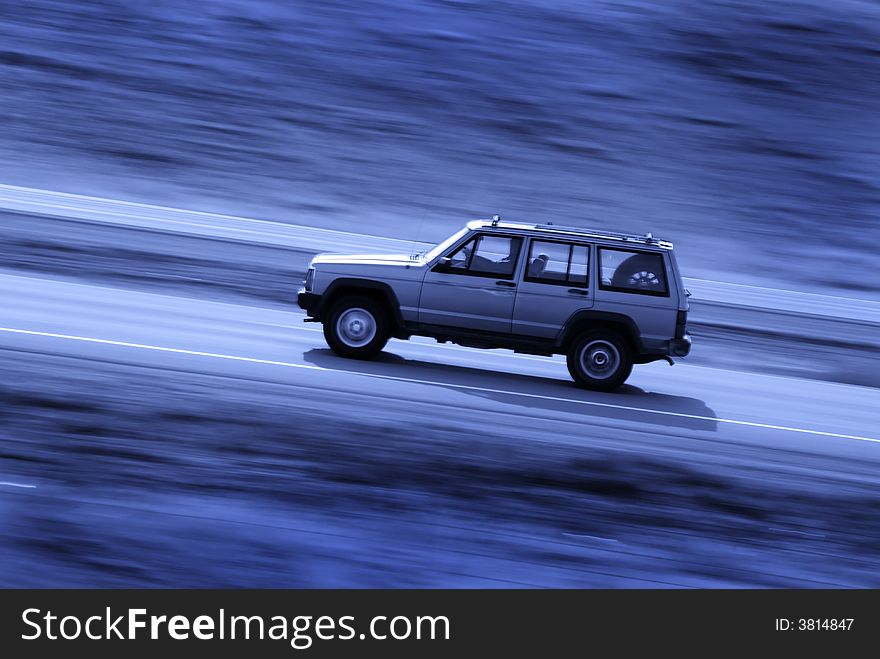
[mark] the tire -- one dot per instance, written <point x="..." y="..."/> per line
<point x="638" y="272"/>
<point x="599" y="360"/>
<point x="357" y="327"/>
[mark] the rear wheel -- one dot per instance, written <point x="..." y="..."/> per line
<point x="599" y="360"/>
<point x="357" y="327"/>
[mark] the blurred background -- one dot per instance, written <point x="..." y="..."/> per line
<point x="166" y="418"/>
<point x="745" y="131"/>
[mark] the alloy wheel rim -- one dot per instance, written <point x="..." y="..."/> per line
<point x="356" y="327"/>
<point x="600" y="359"/>
<point x="644" y="279"/>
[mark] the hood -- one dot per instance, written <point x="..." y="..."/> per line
<point x="372" y="259"/>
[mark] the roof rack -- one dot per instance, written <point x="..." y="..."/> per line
<point x="647" y="238"/>
<point x="581" y="232"/>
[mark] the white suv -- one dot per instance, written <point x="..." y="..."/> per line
<point x="606" y="300"/>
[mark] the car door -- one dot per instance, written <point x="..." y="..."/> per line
<point x="472" y="286"/>
<point x="555" y="284"/>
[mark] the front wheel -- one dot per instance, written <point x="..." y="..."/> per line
<point x="599" y="360"/>
<point x="356" y="327"/>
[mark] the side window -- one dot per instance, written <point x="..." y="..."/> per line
<point x="558" y="263"/>
<point x="461" y="258"/>
<point x="632" y="272"/>
<point x="486" y="256"/>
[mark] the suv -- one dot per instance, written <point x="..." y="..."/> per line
<point x="606" y="300"/>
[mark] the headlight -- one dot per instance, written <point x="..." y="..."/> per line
<point x="310" y="279"/>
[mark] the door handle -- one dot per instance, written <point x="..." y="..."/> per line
<point x="509" y="284"/>
<point x="578" y="291"/>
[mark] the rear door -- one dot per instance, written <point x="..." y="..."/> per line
<point x="473" y="287"/>
<point x="555" y="284"/>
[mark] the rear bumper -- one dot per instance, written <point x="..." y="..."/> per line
<point x="680" y="347"/>
<point x="309" y="302"/>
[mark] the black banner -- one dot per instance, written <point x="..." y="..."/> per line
<point x="432" y="623"/>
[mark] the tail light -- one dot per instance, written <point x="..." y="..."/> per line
<point x="310" y="279"/>
<point x="681" y="324"/>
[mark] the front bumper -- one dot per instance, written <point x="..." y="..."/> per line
<point x="680" y="347"/>
<point x="308" y="302"/>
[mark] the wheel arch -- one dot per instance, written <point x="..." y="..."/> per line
<point x="585" y="320"/>
<point x="344" y="286"/>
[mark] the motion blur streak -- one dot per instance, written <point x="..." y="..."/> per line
<point x="167" y="420"/>
<point x="747" y="130"/>
<point x="163" y="218"/>
<point x="450" y="385"/>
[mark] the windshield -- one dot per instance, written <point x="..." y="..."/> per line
<point x="434" y="252"/>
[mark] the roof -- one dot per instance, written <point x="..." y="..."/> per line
<point x="570" y="231"/>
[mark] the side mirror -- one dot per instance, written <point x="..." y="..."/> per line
<point x="443" y="264"/>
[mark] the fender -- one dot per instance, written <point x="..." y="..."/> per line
<point x="581" y="320"/>
<point x="383" y="289"/>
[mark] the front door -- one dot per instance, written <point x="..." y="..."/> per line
<point x="473" y="287"/>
